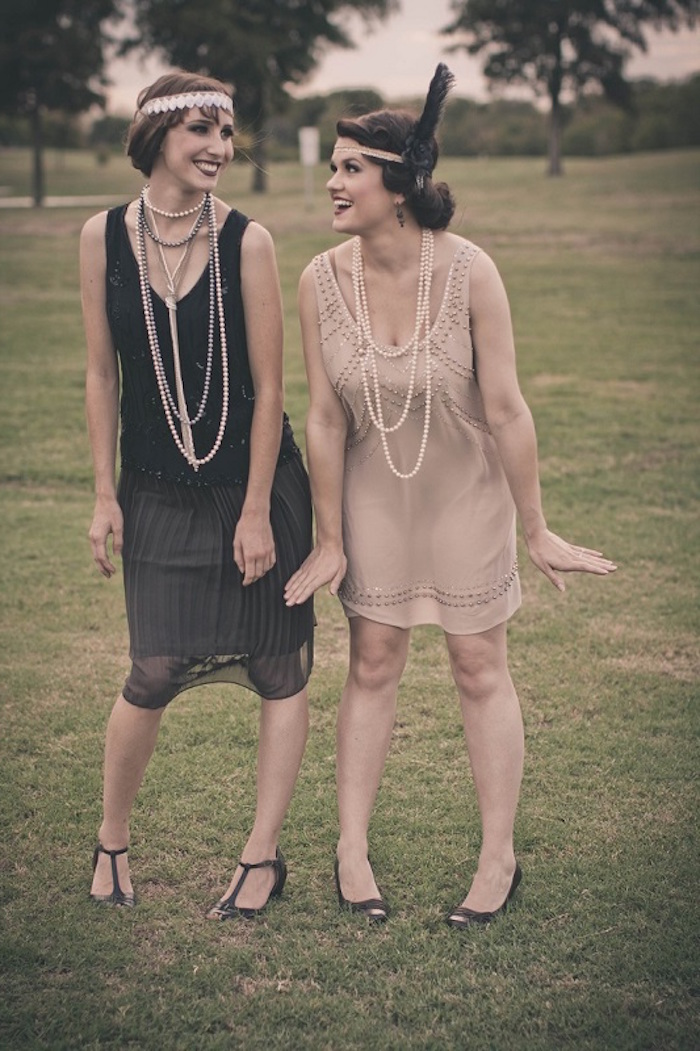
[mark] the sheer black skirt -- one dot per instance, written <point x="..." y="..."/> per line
<point x="190" y="619"/>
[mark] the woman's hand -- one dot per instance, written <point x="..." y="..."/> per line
<point x="550" y="553"/>
<point x="107" y="520"/>
<point x="324" y="565"/>
<point x="254" y="546"/>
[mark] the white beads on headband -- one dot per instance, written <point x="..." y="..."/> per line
<point x="189" y="100"/>
<point x="368" y="151"/>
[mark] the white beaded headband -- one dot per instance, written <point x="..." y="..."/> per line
<point x="381" y="155"/>
<point x="188" y="100"/>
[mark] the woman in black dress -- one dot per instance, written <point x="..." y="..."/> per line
<point x="211" y="513"/>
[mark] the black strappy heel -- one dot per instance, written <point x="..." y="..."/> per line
<point x="226" y="909"/>
<point x="118" y="896"/>
<point x="373" y="908"/>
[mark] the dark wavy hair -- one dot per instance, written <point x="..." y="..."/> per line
<point x="432" y="206"/>
<point x="146" y="133"/>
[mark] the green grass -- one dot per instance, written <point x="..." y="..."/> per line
<point x="600" y="950"/>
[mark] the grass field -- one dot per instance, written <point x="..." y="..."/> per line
<point x="601" y="949"/>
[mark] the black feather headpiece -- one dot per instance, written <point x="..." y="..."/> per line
<point x="418" y="152"/>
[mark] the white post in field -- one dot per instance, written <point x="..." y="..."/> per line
<point x="309" y="154"/>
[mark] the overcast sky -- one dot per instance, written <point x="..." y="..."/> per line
<point x="398" y="57"/>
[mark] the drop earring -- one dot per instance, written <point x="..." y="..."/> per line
<point x="399" y="214"/>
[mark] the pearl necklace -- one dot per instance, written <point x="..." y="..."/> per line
<point x="185" y="443"/>
<point x="370" y="349"/>
<point x="171" y="215"/>
<point x="172" y="278"/>
<point x="193" y="231"/>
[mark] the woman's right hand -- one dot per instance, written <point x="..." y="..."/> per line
<point x="107" y="520"/>
<point x="323" y="566"/>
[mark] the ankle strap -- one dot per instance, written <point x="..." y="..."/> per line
<point x="248" y="865"/>
<point x="111" y="853"/>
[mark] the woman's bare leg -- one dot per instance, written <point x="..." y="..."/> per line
<point x="365" y="722"/>
<point x="284" y="726"/>
<point x="130" y="740"/>
<point x="493" y="729"/>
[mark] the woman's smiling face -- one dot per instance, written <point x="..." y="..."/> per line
<point x="198" y="149"/>
<point x="360" y="199"/>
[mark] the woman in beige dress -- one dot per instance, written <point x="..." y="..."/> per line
<point x="421" y="453"/>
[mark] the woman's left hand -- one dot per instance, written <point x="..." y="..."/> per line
<point x="253" y="546"/>
<point x="550" y="553"/>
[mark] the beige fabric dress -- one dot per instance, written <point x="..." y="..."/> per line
<point x="438" y="548"/>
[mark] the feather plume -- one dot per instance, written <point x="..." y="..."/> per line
<point x="440" y="85"/>
<point x="418" y="154"/>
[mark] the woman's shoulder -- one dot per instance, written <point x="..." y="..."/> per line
<point x="108" y="221"/>
<point x="477" y="259"/>
<point x="93" y="235"/>
<point x="321" y="264"/>
<point x="454" y="243"/>
<point x="94" y="227"/>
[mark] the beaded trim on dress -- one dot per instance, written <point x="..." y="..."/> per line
<point x="479" y="595"/>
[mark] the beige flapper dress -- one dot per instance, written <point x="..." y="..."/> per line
<point x="438" y="548"/>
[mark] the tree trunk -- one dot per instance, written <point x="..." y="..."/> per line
<point x="555" y="166"/>
<point x="555" y="116"/>
<point x="38" y="155"/>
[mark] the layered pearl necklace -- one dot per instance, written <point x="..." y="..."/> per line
<point x="176" y="408"/>
<point x="370" y="350"/>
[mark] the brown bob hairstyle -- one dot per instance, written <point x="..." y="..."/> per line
<point x="146" y="133"/>
<point x="388" y="129"/>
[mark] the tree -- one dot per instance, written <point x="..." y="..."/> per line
<point x="52" y="56"/>
<point x="557" y="45"/>
<point x="261" y="47"/>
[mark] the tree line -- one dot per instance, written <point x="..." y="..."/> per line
<point x="54" y="53"/>
<point x="659" y="117"/>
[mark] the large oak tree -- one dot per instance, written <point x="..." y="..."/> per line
<point x="52" y="57"/>
<point x="557" y="45"/>
<point x="261" y="47"/>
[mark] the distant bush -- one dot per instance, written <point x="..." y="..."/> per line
<point x="662" y="116"/>
<point x="500" y="128"/>
<point x="61" y="131"/>
<point x="109" y="131"/>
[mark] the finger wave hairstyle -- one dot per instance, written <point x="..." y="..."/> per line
<point x="146" y="133"/>
<point x="434" y="205"/>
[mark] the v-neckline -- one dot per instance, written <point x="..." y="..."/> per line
<point x="353" y="320"/>
<point x="154" y="293"/>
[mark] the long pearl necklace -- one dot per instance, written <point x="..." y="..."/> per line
<point x="172" y="279"/>
<point x="185" y="443"/>
<point x="371" y="349"/>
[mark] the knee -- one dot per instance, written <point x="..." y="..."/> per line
<point x="376" y="670"/>
<point x="478" y="677"/>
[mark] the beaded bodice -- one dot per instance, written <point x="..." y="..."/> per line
<point x="146" y="443"/>
<point x="456" y="399"/>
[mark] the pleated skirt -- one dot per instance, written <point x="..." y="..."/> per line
<point x="190" y="619"/>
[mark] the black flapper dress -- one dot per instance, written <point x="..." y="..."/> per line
<point x="190" y="619"/>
